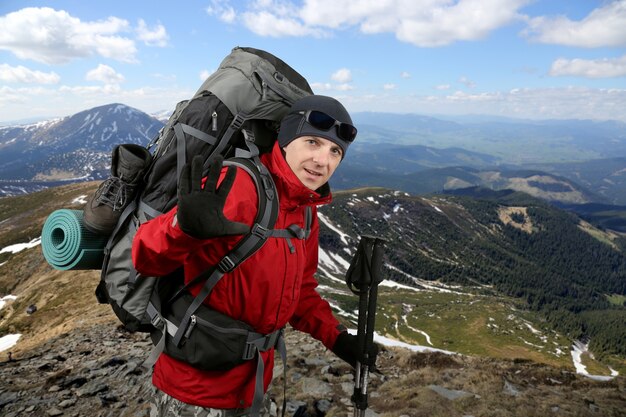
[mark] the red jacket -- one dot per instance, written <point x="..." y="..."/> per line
<point x="270" y="289"/>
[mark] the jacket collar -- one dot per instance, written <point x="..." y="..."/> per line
<point x="291" y="191"/>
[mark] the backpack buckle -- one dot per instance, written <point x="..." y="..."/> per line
<point x="237" y="122"/>
<point x="249" y="351"/>
<point x="260" y="231"/>
<point x="248" y="135"/>
<point x="156" y="321"/>
<point x="226" y="265"/>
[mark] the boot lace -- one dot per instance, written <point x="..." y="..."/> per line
<point x="114" y="193"/>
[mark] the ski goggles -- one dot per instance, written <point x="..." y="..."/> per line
<point x="322" y="121"/>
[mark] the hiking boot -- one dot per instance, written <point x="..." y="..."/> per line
<point x="104" y="208"/>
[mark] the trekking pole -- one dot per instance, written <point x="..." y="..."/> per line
<point x="363" y="278"/>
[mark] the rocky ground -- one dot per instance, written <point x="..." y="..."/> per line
<point x="96" y="371"/>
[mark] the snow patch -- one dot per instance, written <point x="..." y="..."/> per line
<point x="18" y="247"/>
<point x="343" y="236"/>
<point x="81" y="199"/>
<point x="6" y="298"/>
<point x="8" y="341"/>
<point x="332" y="261"/>
<point x="578" y="349"/>
<point x="428" y="285"/>
<point x="386" y="341"/>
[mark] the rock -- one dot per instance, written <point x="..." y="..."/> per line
<point x="318" y="362"/>
<point x="114" y="362"/>
<point x="315" y="387"/>
<point x="347" y="387"/>
<point x="75" y="382"/>
<point x="54" y="412"/>
<point x="91" y="388"/>
<point x="308" y="347"/>
<point x="31" y="309"/>
<point x="510" y="389"/>
<point x="293" y="406"/>
<point x="322" y="406"/>
<point x="7" y="398"/>
<point x="450" y="394"/>
<point x="67" y="403"/>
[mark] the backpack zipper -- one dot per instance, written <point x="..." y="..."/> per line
<point x="192" y="324"/>
<point x="214" y="120"/>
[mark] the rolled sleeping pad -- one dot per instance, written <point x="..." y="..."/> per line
<point x="67" y="244"/>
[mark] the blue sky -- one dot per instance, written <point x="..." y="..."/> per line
<point x="534" y="59"/>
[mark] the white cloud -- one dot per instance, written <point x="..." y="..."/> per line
<point x="54" y="36"/>
<point x="223" y="10"/>
<point x="105" y="74"/>
<point x="317" y="87"/>
<point x="22" y="74"/>
<point x="467" y="82"/>
<point x="427" y="23"/>
<point x="152" y="37"/>
<point x="599" y="68"/>
<point x="603" y="27"/>
<point x="265" y="23"/>
<point x="442" y="87"/>
<point x="405" y="74"/>
<point x="344" y="87"/>
<point x="321" y="87"/>
<point x="389" y="87"/>
<point x="343" y="75"/>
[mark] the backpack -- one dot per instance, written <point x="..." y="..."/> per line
<point x="236" y="113"/>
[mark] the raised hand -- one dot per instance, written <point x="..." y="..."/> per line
<point x="201" y="210"/>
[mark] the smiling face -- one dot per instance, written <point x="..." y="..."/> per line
<point x="313" y="159"/>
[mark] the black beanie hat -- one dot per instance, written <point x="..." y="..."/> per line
<point x="294" y="124"/>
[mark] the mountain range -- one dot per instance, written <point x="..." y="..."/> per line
<point x="73" y="148"/>
<point x="415" y="153"/>
<point x="556" y="161"/>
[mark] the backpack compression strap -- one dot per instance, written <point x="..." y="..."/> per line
<point x="181" y="129"/>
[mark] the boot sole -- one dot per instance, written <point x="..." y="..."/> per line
<point x="94" y="228"/>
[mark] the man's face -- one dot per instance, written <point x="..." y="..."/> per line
<point x="313" y="159"/>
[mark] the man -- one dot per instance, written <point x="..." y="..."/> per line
<point x="276" y="285"/>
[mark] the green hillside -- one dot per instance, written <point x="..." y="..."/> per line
<point x="547" y="260"/>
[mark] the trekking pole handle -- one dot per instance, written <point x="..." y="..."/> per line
<point x="370" y="261"/>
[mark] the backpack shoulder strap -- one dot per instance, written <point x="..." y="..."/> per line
<point x="266" y="218"/>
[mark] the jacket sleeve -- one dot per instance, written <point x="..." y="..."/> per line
<point x="313" y="314"/>
<point x="160" y="246"/>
